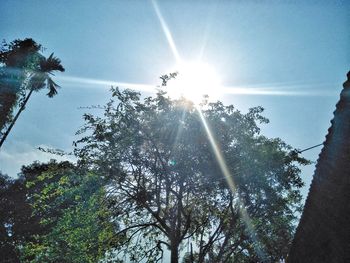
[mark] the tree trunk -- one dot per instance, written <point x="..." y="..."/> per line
<point x="15" y="118"/>
<point x="7" y="101"/>
<point x="174" y="257"/>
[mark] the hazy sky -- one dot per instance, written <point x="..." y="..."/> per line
<point x="300" y="49"/>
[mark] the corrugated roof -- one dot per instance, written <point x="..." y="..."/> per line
<point x="323" y="234"/>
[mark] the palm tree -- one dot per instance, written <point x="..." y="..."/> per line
<point x="37" y="80"/>
<point x="15" y="58"/>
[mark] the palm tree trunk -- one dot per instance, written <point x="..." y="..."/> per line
<point x="15" y="118"/>
<point x="7" y="101"/>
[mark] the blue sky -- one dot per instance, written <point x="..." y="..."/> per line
<point x="291" y="46"/>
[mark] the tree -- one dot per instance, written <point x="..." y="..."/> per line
<point x="54" y="213"/>
<point x="17" y="224"/>
<point x="6" y="245"/>
<point x="24" y="70"/>
<point x="166" y="187"/>
<point x="75" y="223"/>
<point x="15" y="57"/>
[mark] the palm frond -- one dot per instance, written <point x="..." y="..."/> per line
<point x="52" y="86"/>
<point x="51" y="64"/>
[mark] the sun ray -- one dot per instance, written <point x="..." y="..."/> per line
<point x="273" y="89"/>
<point x="106" y="83"/>
<point x="220" y="159"/>
<point x="279" y="90"/>
<point x="230" y="182"/>
<point x="208" y="29"/>
<point x="166" y="31"/>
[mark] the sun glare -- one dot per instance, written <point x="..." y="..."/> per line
<point x="194" y="80"/>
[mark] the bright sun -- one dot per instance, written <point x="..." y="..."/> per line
<point x="194" y="80"/>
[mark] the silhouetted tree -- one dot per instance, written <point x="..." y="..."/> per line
<point x="24" y="70"/>
<point x="166" y="186"/>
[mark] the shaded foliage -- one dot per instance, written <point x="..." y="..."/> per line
<point x="61" y="216"/>
<point x="70" y="205"/>
<point x="17" y="225"/>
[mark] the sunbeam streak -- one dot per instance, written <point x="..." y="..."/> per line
<point x="217" y="153"/>
<point x="272" y="90"/>
<point x="166" y="31"/>
<point x="280" y="90"/>
<point x="225" y="170"/>
<point x="106" y="83"/>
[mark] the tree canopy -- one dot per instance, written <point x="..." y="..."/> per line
<point x="165" y="182"/>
